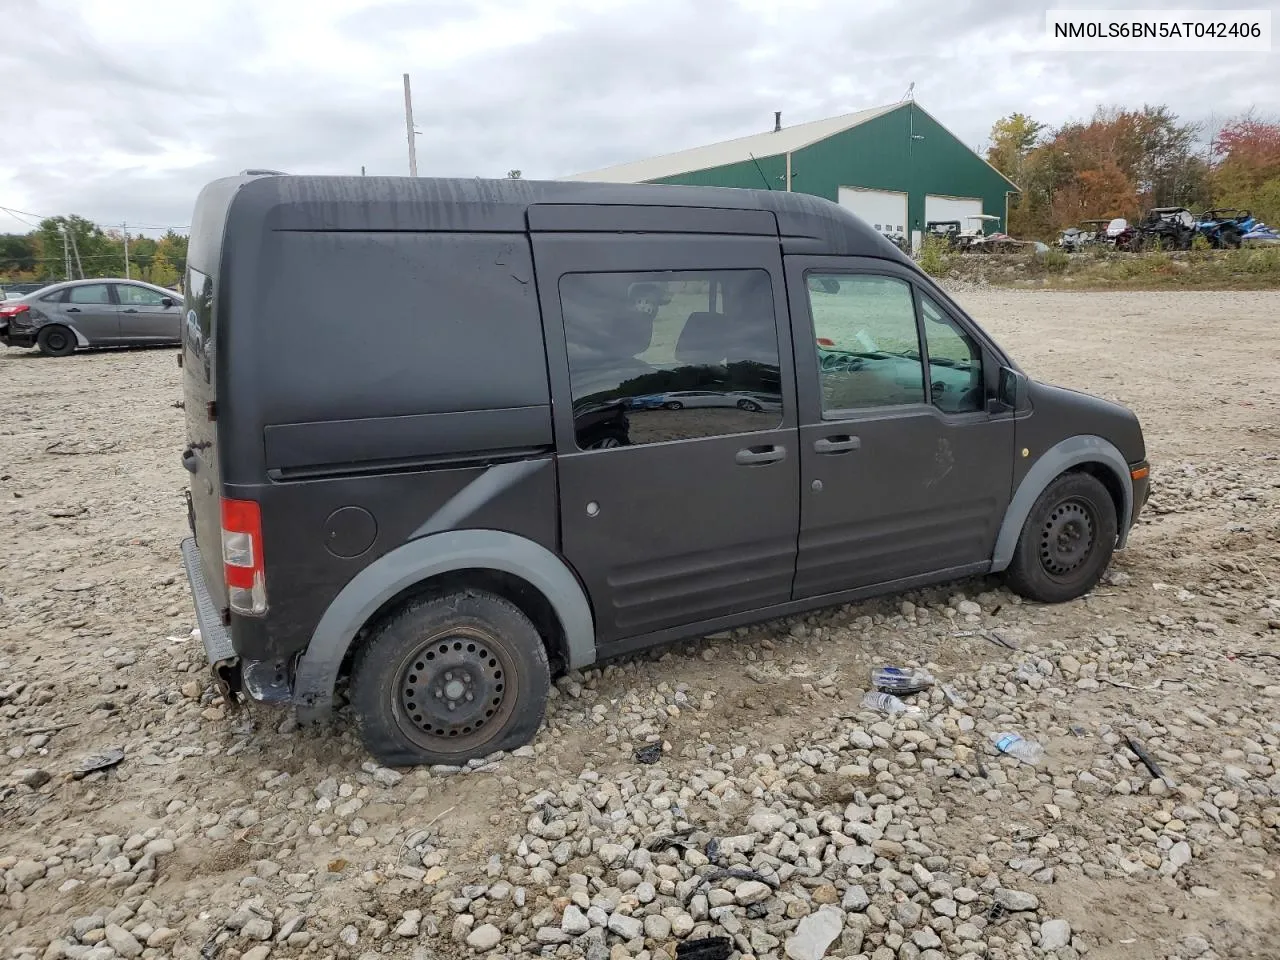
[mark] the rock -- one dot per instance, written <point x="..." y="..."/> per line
<point x="626" y="927"/>
<point x="162" y="937"/>
<point x="27" y="872"/>
<point x="122" y="941"/>
<point x="1016" y="900"/>
<point x="855" y="899"/>
<point x="766" y="822"/>
<point x="409" y="924"/>
<point x="32" y="777"/>
<point x="657" y="927"/>
<point x="257" y="928"/>
<point x="484" y="937"/>
<point x="752" y="891"/>
<point x="158" y="847"/>
<point x="926" y="939"/>
<point x="574" y="921"/>
<point x="826" y="894"/>
<point x="1180" y="854"/>
<point x="260" y="952"/>
<point x="1055" y="934"/>
<point x="1195" y="946"/>
<point x="612" y="854"/>
<point x="681" y="924"/>
<point x="968" y="608"/>
<point x="814" y="934"/>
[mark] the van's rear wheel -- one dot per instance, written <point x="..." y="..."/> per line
<point x="56" y="341"/>
<point x="1066" y="542"/>
<point x="450" y="679"/>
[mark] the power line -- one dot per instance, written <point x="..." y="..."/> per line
<point x="20" y="214"/>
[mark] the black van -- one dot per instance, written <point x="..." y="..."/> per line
<point x="439" y="447"/>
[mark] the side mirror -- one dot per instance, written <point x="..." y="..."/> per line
<point x="1012" y="389"/>
<point x="167" y="301"/>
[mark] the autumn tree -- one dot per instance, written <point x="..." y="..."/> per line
<point x="1246" y="170"/>
<point x="162" y="272"/>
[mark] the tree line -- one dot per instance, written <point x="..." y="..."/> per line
<point x="1121" y="163"/>
<point x="92" y="251"/>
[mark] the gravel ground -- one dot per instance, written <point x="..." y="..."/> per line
<point x="779" y="814"/>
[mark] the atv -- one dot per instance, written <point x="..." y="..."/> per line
<point x="1167" y="228"/>
<point x="1223" y="227"/>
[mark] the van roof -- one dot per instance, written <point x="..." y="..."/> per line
<point x="248" y="205"/>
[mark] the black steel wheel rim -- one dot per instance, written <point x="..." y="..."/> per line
<point x="57" y="340"/>
<point x="454" y="691"/>
<point x="1067" y="537"/>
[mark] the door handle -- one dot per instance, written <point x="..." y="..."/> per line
<point x="73" y="309"/>
<point x="130" y="310"/>
<point x="752" y="456"/>
<point x="836" y="444"/>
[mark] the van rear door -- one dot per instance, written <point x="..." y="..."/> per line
<point x="200" y="457"/>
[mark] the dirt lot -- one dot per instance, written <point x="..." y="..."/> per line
<point x="227" y="834"/>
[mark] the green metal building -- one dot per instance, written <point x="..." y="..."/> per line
<point x="895" y="166"/>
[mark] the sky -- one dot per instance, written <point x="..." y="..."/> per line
<point x="121" y="112"/>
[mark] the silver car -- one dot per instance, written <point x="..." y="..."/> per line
<point x="62" y="317"/>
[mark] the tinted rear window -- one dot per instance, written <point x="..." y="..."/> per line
<point x="349" y="325"/>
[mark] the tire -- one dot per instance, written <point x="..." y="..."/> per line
<point x="56" y="340"/>
<point x="674" y="405"/>
<point x="1066" y="542"/>
<point x="488" y="650"/>
<point x="749" y="405"/>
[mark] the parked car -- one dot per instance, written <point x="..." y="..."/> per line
<point x="21" y="288"/>
<point x="408" y="516"/>
<point x="79" y="314"/>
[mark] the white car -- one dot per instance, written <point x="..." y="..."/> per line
<point x="742" y="399"/>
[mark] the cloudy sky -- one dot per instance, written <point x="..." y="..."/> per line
<point x="123" y="110"/>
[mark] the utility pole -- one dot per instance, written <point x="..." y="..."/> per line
<point x="66" y="251"/>
<point x="125" y="228"/>
<point x="408" y="123"/>
<point x="76" y="250"/>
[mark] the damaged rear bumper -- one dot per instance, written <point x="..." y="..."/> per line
<point x="264" y="681"/>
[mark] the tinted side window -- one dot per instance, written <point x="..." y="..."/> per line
<point x="133" y="296"/>
<point x="674" y="355"/>
<point x="867" y="342"/>
<point x="91" y="293"/>
<point x="390" y="324"/>
<point x="955" y="362"/>
<point x="58" y="296"/>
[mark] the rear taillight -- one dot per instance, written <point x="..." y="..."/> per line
<point x="242" y="557"/>
<point x="13" y="309"/>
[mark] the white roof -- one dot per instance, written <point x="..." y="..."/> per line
<point x="759" y="145"/>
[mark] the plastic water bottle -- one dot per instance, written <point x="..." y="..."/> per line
<point x="1018" y="747"/>
<point x="895" y="680"/>
<point x="883" y="703"/>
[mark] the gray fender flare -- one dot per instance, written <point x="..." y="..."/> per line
<point x="418" y="560"/>
<point x="1060" y="457"/>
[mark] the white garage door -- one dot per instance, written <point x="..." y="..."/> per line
<point x="952" y="208"/>
<point x="884" y="210"/>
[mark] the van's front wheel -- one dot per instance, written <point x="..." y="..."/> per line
<point x="1066" y="542"/>
<point x="450" y="679"/>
